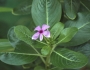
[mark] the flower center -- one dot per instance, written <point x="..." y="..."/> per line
<point x="41" y="31"/>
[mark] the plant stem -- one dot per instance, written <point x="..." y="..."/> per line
<point x="36" y="51"/>
<point x="48" y="57"/>
<point x="39" y="54"/>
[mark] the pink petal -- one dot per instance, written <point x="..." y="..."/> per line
<point x="35" y="36"/>
<point x="41" y="37"/>
<point x="44" y="27"/>
<point x="38" y="28"/>
<point x="46" y="33"/>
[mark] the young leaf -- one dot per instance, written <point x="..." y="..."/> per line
<point x="14" y="58"/>
<point x="23" y="9"/>
<point x="46" y="11"/>
<point x="71" y="7"/>
<point x="45" y="50"/>
<point x="68" y="59"/>
<point x="5" y="46"/>
<point x="83" y="25"/>
<point x="67" y="34"/>
<point x="56" y="30"/>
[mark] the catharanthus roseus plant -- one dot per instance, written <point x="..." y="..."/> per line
<point x="50" y="46"/>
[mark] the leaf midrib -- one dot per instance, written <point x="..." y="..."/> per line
<point x="63" y="56"/>
<point x="46" y="13"/>
<point x="83" y="25"/>
<point x="64" y="38"/>
<point x="71" y="5"/>
<point x="20" y="53"/>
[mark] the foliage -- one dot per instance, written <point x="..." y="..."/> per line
<point x="68" y="45"/>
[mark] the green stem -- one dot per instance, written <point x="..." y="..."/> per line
<point x="41" y="42"/>
<point x="48" y="57"/>
<point x="46" y="40"/>
<point x="48" y="60"/>
<point x="38" y="54"/>
<point x="37" y="51"/>
<point x="53" y="47"/>
<point x="34" y="48"/>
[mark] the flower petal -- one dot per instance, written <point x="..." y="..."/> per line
<point x="44" y="27"/>
<point x="35" y="36"/>
<point x="41" y="37"/>
<point x="38" y="28"/>
<point x="46" y="33"/>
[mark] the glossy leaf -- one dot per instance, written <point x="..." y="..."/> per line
<point x="83" y="25"/>
<point x="46" y="11"/>
<point x="68" y="59"/>
<point x="14" y="58"/>
<point x="16" y="42"/>
<point x="5" y="46"/>
<point x="23" y="9"/>
<point x="22" y="53"/>
<point x="56" y="68"/>
<point x="24" y="34"/>
<point x="56" y="30"/>
<point x="67" y="34"/>
<point x="71" y="7"/>
<point x="45" y="50"/>
<point x="39" y="68"/>
<point x="84" y="48"/>
<point x="5" y="9"/>
<point x="22" y="47"/>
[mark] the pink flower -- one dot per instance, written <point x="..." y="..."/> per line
<point x="41" y="31"/>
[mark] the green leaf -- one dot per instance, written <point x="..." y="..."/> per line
<point x="39" y="68"/>
<point x="56" y="68"/>
<point x="67" y="34"/>
<point x="24" y="34"/>
<point x="22" y="47"/>
<point x="23" y="9"/>
<point x="22" y="50"/>
<point x="14" y="58"/>
<point x="14" y="41"/>
<point x="5" y="46"/>
<point x="68" y="59"/>
<point x="5" y="9"/>
<point x="56" y="30"/>
<point x="71" y="7"/>
<point x="45" y="50"/>
<point x="83" y="25"/>
<point x="46" y="11"/>
<point x="84" y="48"/>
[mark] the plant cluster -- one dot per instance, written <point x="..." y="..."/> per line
<point x="61" y="40"/>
